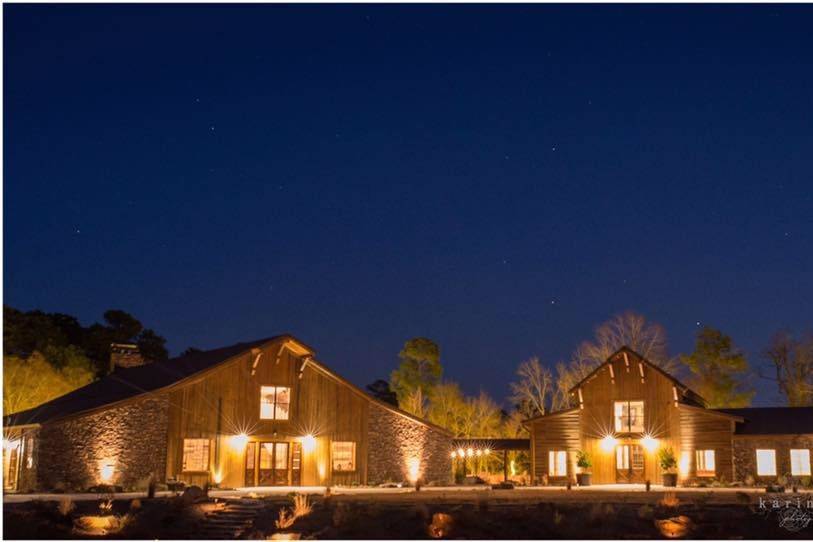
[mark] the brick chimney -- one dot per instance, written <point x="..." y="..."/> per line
<point x="125" y="356"/>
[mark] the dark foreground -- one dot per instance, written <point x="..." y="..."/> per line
<point x="487" y="515"/>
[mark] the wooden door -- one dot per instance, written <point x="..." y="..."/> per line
<point x="250" y="479"/>
<point x="274" y="462"/>
<point x="629" y="464"/>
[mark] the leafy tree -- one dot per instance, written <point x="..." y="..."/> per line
<point x="420" y="370"/>
<point x="33" y="380"/>
<point x="792" y="360"/>
<point x="380" y="389"/>
<point x="448" y="408"/>
<point x="531" y="393"/>
<point x="718" y="370"/>
<point x="152" y="346"/>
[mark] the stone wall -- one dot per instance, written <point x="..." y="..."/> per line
<point x="401" y="448"/>
<point x="745" y="456"/>
<point x="128" y="441"/>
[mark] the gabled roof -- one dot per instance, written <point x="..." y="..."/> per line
<point x="124" y="384"/>
<point x="688" y="393"/>
<point x="772" y="420"/>
<point x="552" y="414"/>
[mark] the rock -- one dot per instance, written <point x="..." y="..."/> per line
<point x="192" y="494"/>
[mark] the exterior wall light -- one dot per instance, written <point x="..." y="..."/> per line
<point x="487" y="451"/>
<point x="308" y="443"/>
<point x="461" y="452"/>
<point x="650" y="443"/>
<point x="453" y="454"/>
<point x="238" y="442"/>
<point x="478" y="453"/>
<point x="608" y="443"/>
<point x="470" y="452"/>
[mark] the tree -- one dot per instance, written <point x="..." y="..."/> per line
<point x="415" y="403"/>
<point x="152" y="346"/>
<point x="448" y="408"/>
<point x="380" y="389"/>
<point x="419" y="371"/>
<point x="567" y="376"/>
<point x="792" y="360"/>
<point x="718" y="369"/>
<point x="33" y="380"/>
<point x="531" y="392"/>
<point x="627" y="329"/>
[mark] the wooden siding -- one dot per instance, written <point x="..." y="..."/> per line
<point x="625" y="383"/>
<point x="707" y="431"/>
<point x="556" y="432"/>
<point x="226" y="401"/>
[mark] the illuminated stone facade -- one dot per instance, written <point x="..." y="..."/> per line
<point x="745" y="454"/>
<point x="127" y="442"/>
<point x="402" y="450"/>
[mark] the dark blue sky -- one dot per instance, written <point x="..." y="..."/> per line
<point x="500" y="179"/>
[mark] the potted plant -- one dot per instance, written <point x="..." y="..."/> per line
<point x="666" y="457"/>
<point x="584" y="462"/>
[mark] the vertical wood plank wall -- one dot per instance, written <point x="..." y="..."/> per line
<point x="319" y="405"/>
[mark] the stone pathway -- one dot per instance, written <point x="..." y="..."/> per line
<point x="231" y="521"/>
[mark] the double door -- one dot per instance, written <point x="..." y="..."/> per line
<point x="629" y="464"/>
<point x="273" y="463"/>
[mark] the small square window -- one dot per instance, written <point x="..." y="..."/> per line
<point x="629" y="416"/>
<point x="195" y="455"/>
<point x="705" y="462"/>
<point x="800" y="462"/>
<point x="766" y="462"/>
<point x="557" y="463"/>
<point x="343" y="455"/>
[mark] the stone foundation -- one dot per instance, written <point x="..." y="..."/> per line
<point x="129" y="443"/>
<point x="745" y="456"/>
<point x="401" y="448"/>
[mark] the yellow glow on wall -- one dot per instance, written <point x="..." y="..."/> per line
<point x="683" y="464"/>
<point x="322" y="470"/>
<point x="607" y="444"/>
<point x="414" y="469"/>
<point x="239" y="441"/>
<point x="650" y="443"/>
<point x="308" y="443"/>
<point x="106" y="472"/>
<point x="217" y="476"/>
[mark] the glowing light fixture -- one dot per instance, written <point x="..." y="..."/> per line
<point x="238" y="442"/>
<point x="106" y="473"/>
<point x="478" y="453"/>
<point x="487" y="451"/>
<point x="308" y="443"/>
<point x="650" y="443"/>
<point x="608" y="443"/>
<point x="470" y="452"/>
<point x="217" y="477"/>
<point x="461" y="452"/>
<point x="453" y="454"/>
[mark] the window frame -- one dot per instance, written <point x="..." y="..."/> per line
<point x="773" y="453"/>
<point x="184" y="452"/>
<point x="554" y="457"/>
<point x="628" y="430"/>
<point x="806" y="455"/>
<point x="264" y="394"/>
<point x="354" y="449"/>
<point x="701" y="459"/>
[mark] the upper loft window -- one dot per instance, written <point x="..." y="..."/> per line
<point x="629" y="416"/>
<point x="275" y="403"/>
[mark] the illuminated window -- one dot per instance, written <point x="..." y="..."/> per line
<point x="275" y="402"/>
<point x="766" y="462"/>
<point x="800" y="462"/>
<point x="629" y="416"/>
<point x="195" y="454"/>
<point x="343" y="455"/>
<point x="705" y="462"/>
<point x="622" y="457"/>
<point x="557" y="463"/>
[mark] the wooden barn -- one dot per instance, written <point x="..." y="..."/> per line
<point x="260" y="413"/>
<point x="627" y="410"/>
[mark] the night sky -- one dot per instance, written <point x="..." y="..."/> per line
<point x="500" y="179"/>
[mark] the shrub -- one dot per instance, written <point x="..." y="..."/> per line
<point x="666" y="458"/>
<point x="670" y="500"/>
<point x="302" y="506"/>
<point x="583" y="460"/>
<point x="65" y="506"/>
<point x="285" y="520"/>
